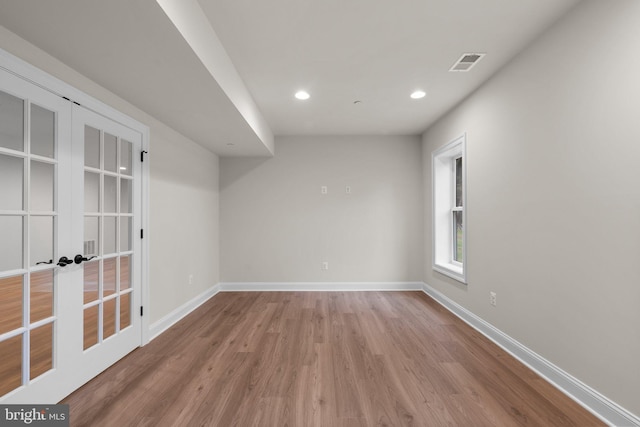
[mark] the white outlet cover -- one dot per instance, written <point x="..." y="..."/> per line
<point x="323" y="189"/>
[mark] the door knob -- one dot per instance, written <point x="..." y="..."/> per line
<point x="78" y="259"/>
<point x="64" y="261"/>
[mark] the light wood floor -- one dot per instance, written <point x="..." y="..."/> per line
<point x="321" y="359"/>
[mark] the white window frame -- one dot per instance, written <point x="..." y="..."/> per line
<point x="443" y="171"/>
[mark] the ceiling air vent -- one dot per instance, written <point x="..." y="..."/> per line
<point x="466" y="62"/>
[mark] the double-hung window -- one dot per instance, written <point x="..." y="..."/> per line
<point x="449" y="191"/>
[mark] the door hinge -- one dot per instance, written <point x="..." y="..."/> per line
<point x="71" y="100"/>
<point x="142" y="153"/>
<point x="142" y="233"/>
<point x="141" y="311"/>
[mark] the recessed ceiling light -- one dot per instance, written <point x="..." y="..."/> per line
<point x="418" y="94"/>
<point x="301" y="94"/>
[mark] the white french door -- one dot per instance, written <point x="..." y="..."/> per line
<point x="70" y="275"/>
<point x="107" y="176"/>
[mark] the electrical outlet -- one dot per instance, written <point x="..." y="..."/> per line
<point x="493" y="299"/>
<point x="324" y="189"/>
<point x="325" y="265"/>
<point x="191" y="279"/>
<point x="347" y="189"/>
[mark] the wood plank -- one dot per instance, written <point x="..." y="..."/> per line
<point x="322" y="359"/>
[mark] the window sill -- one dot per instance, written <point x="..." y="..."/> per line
<point x="451" y="270"/>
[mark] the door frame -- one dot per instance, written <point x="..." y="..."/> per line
<point x="34" y="75"/>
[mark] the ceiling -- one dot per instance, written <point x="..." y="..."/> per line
<point x="225" y="71"/>
<point x="375" y="51"/>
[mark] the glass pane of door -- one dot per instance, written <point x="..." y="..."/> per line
<point x="91" y="281"/>
<point x="12" y="188"/>
<point x="110" y="156"/>
<point x="110" y="192"/>
<point x="90" y="326"/>
<point x="110" y="224"/>
<point x="41" y="240"/>
<point x="109" y="318"/>
<point x="11" y="122"/>
<point x="126" y="154"/>
<point x="109" y="268"/>
<point x="11" y="289"/>
<point x="41" y="345"/>
<point x="42" y="182"/>
<point x="91" y="192"/>
<point x="43" y="126"/>
<point x="11" y="367"/>
<point x="12" y="242"/>
<point x="41" y="295"/>
<point x="91" y="147"/>
<point x="125" y="310"/>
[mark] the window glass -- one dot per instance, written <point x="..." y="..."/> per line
<point x="458" y="236"/>
<point x="458" y="181"/>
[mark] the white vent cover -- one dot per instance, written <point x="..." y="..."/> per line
<point x="89" y="248"/>
<point x="466" y="62"/>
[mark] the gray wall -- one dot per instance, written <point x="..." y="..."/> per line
<point x="276" y="226"/>
<point x="184" y="222"/>
<point x="183" y="194"/>
<point x="553" y="144"/>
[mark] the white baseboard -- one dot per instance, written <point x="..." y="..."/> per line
<point x="319" y="286"/>
<point x="602" y="407"/>
<point x="176" y="315"/>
